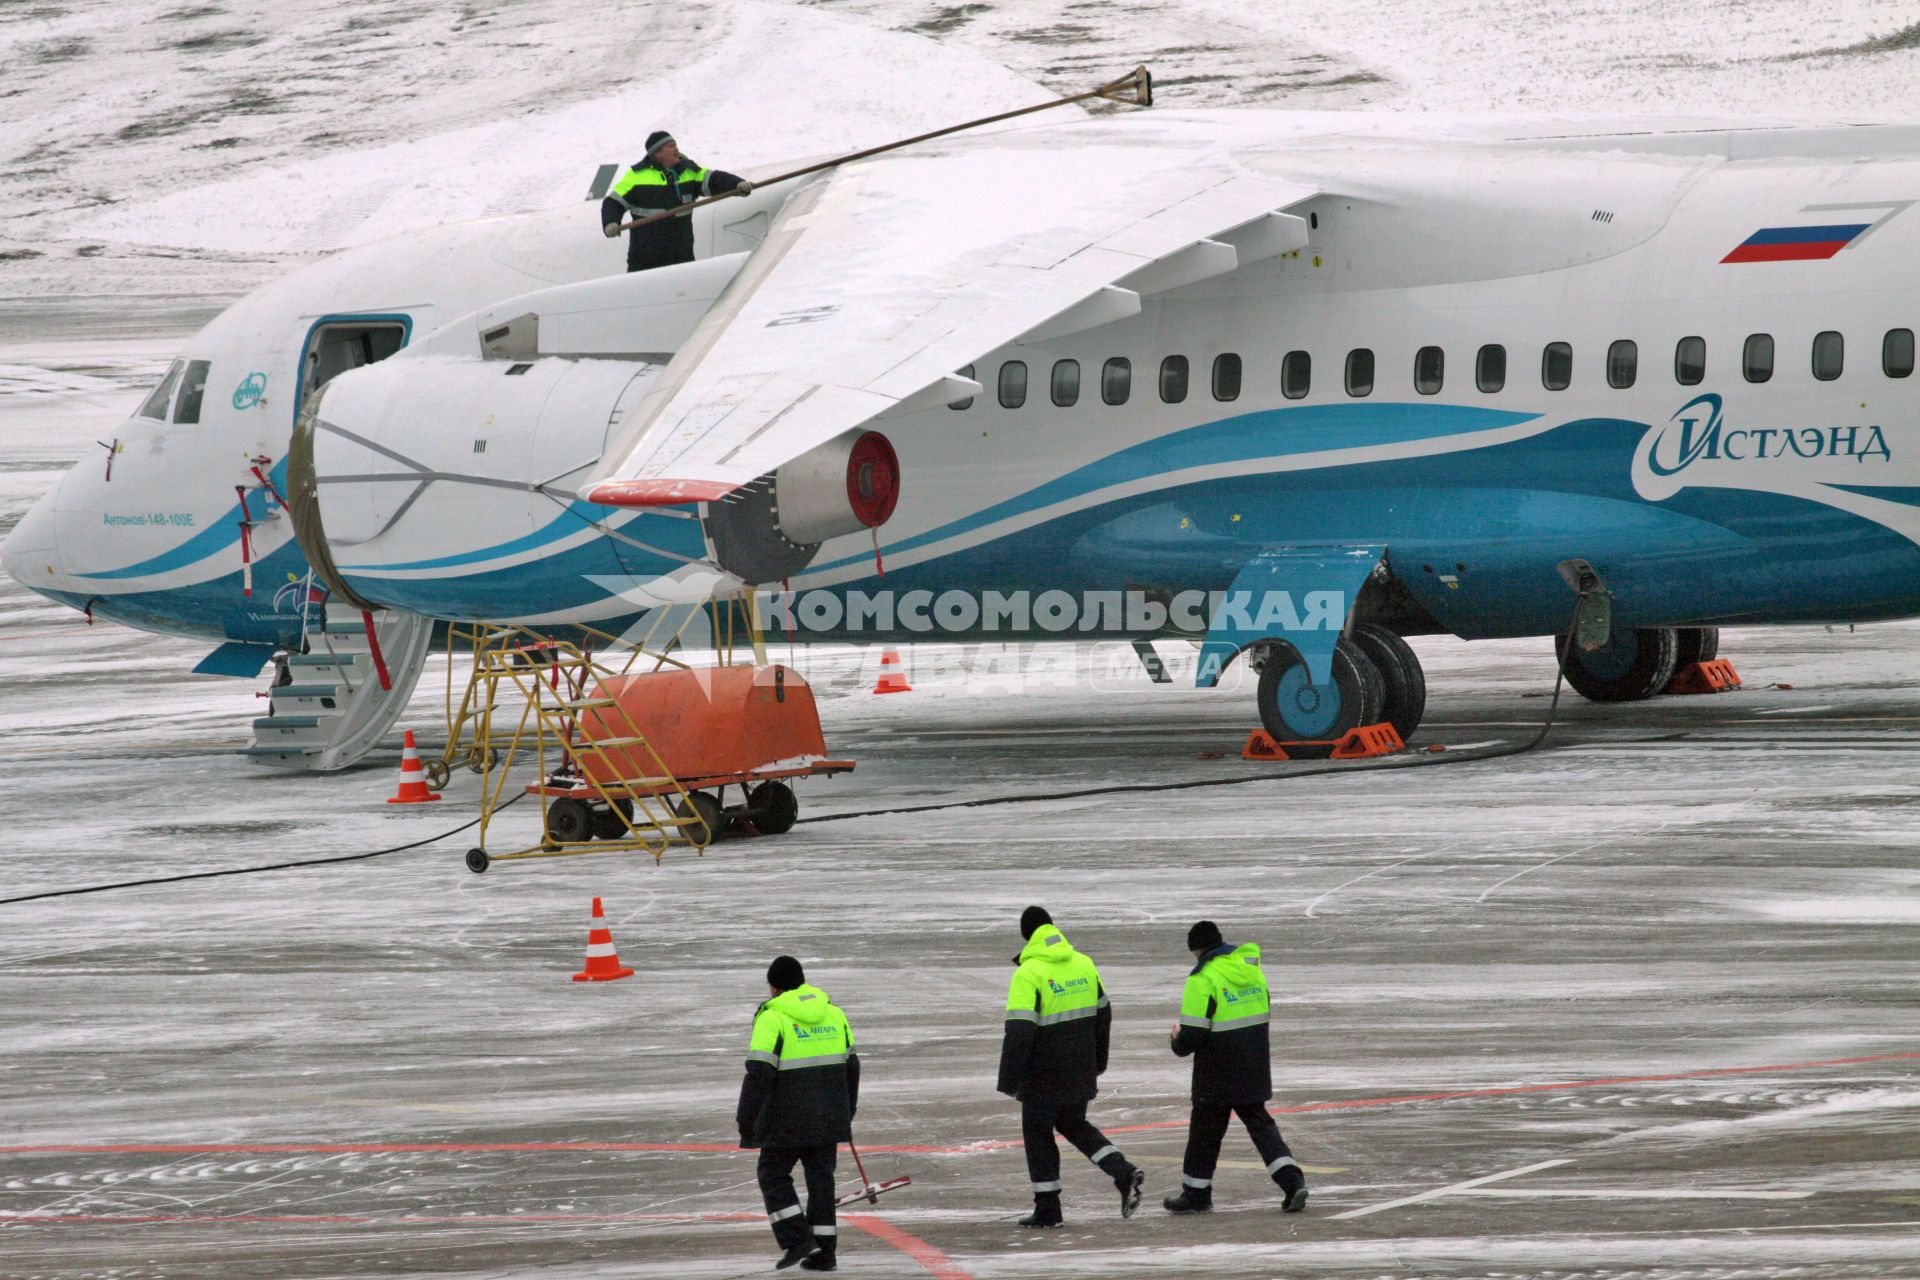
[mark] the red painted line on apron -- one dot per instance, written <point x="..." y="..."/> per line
<point x="990" y="1144"/>
<point x="931" y="1260"/>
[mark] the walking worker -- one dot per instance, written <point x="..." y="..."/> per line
<point x="797" y="1104"/>
<point x="1223" y="1026"/>
<point x="1054" y="1051"/>
<point x="665" y="179"/>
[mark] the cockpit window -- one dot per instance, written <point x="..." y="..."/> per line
<point x="192" y="391"/>
<point x="156" y="404"/>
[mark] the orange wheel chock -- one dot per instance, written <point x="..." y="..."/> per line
<point x="1716" y="676"/>
<point x="1359" y="744"/>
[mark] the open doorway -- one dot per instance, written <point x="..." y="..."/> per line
<point x="336" y="345"/>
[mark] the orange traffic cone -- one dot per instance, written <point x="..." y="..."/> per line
<point x="893" y="678"/>
<point x="413" y="780"/>
<point x="603" y="962"/>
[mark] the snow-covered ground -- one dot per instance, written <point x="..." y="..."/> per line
<point x="1693" y="919"/>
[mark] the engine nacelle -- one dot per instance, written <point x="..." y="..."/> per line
<point x="773" y="528"/>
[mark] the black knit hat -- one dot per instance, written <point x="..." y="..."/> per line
<point x="1032" y="918"/>
<point x="1204" y="936"/>
<point x="657" y="139"/>
<point x="785" y="973"/>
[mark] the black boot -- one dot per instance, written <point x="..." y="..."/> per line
<point x="796" y="1256"/>
<point x="1046" y="1211"/>
<point x="822" y="1260"/>
<point x="1132" y="1187"/>
<point x="1293" y="1185"/>
<point x="1190" y="1200"/>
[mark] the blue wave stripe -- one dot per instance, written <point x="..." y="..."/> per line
<point x="210" y="541"/>
<point x="1268" y="433"/>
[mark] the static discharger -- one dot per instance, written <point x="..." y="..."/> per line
<point x="1363" y="743"/>
<point x="870" y="1191"/>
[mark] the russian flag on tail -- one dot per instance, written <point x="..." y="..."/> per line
<point x="1796" y="244"/>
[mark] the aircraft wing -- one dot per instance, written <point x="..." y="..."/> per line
<point x="878" y="281"/>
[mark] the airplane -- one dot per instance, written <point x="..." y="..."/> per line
<point x="1291" y="386"/>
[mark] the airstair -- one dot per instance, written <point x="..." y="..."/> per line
<point x="329" y="706"/>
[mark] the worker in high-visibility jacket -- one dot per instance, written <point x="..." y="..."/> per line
<point x="797" y="1104"/>
<point x="665" y="179"/>
<point x="1051" y="1057"/>
<point x="1223" y="1026"/>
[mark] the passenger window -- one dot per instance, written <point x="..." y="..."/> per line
<point x="156" y="404"/>
<point x="1359" y="372"/>
<point x="1690" y="361"/>
<point x="1896" y="353"/>
<point x="968" y="402"/>
<point x="1066" y="382"/>
<point x="1116" y="380"/>
<point x="1556" y="366"/>
<point x="1757" y="361"/>
<point x="192" y="391"/>
<point x="1226" y="377"/>
<point x="1829" y="355"/>
<point x="1623" y="364"/>
<point x="1173" y="379"/>
<point x="1296" y="375"/>
<point x="1429" y="370"/>
<point x="1490" y="368"/>
<point x="1013" y="384"/>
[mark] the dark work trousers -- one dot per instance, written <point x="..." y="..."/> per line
<point x="1209" y="1126"/>
<point x="783" y="1206"/>
<point x="1038" y="1123"/>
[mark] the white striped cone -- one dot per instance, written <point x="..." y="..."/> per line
<point x="603" y="962"/>
<point x="413" y="779"/>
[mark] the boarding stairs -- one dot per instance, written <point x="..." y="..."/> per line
<point x="332" y="709"/>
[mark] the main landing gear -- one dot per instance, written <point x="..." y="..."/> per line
<point x="1376" y="678"/>
<point x="1636" y="664"/>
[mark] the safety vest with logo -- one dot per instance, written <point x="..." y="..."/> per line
<point x="1224" y="1014"/>
<point x="647" y="188"/>
<point x="1058" y="1023"/>
<point x="803" y="1076"/>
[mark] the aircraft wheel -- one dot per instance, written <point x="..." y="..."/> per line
<point x="1404" y="682"/>
<point x="1695" y="644"/>
<point x="477" y="860"/>
<point x="1632" y="665"/>
<point x="1294" y="709"/>
<point x="606" y="822"/>
<point x="773" y="808"/>
<point x="569" y="822"/>
<point x="699" y="804"/>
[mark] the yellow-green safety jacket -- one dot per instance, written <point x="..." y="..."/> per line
<point x="803" y="1077"/>
<point x="1223" y="1023"/>
<point x="646" y="187"/>
<point x="1059" y="1020"/>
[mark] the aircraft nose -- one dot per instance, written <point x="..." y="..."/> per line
<point x="30" y="554"/>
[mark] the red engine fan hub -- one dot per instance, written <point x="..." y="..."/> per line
<point x="873" y="479"/>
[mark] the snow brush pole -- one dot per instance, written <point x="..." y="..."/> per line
<point x="873" y="1197"/>
<point x="1135" y="89"/>
<point x="869" y="1191"/>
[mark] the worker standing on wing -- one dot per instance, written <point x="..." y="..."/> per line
<point x="665" y="179"/>
<point x="1051" y="1058"/>
<point x="797" y="1105"/>
<point x="1223" y="1026"/>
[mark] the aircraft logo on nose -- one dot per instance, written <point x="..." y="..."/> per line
<point x="251" y="389"/>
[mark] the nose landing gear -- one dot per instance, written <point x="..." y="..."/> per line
<point x="1376" y="677"/>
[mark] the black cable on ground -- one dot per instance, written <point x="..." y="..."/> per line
<point x="1124" y="788"/>
<point x="1539" y="737"/>
<point x="248" y="871"/>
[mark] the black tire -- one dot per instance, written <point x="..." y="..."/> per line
<point x="569" y="822"/>
<point x="1292" y="710"/>
<point x="477" y="860"/>
<point x="706" y="808"/>
<point x="1632" y="665"/>
<point x="438" y="774"/>
<point x="1695" y="644"/>
<point x="606" y="820"/>
<point x="1404" y="682"/>
<point x="773" y="808"/>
